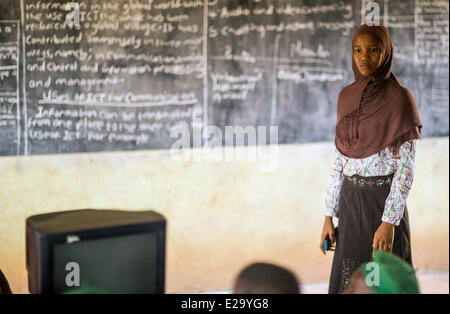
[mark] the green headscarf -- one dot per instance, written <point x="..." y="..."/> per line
<point x="395" y="275"/>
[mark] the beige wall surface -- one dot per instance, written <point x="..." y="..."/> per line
<point x="221" y="215"/>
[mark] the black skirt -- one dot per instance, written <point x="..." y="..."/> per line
<point x="361" y="207"/>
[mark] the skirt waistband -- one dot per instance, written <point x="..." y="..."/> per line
<point x="370" y="182"/>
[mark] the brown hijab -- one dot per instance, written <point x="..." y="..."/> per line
<point x="375" y="112"/>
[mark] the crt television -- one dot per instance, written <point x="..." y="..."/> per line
<point x="116" y="251"/>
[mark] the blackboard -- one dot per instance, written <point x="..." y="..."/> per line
<point x="133" y="70"/>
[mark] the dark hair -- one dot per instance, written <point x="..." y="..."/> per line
<point x="264" y="278"/>
<point x="4" y="286"/>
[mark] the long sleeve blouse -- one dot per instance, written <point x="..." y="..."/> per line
<point x="381" y="164"/>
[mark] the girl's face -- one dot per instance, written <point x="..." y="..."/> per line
<point x="367" y="54"/>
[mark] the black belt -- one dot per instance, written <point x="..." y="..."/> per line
<point x="370" y="182"/>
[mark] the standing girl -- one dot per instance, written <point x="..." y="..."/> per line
<point x="377" y="127"/>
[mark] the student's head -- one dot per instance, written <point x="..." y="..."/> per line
<point x="367" y="54"/>
<point x="4" y="285"/>
<point x="263" y="278"/>
<point x="372" y="52"/>
<point x="386" y="274"/>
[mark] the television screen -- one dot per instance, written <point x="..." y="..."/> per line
<point x="112" y="250"/>
<point x="125" y="264"/>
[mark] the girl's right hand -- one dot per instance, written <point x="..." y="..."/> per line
<point x="328" y="230"/>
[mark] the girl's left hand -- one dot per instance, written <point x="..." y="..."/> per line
<point x="384" y="237"/>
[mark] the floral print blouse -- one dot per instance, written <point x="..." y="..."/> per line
<point x="380" y="164"/>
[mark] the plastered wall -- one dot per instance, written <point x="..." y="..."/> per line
<point x="221" y="215"/>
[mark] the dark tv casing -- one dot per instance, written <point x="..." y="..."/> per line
<point x="45" y="230"/>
